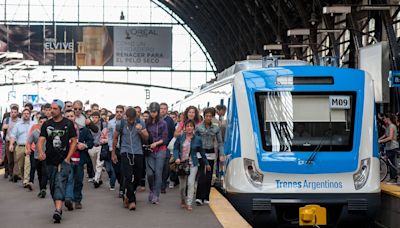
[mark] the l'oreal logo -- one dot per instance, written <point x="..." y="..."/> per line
<point x="52" y="46"/>
<point x="140" y="32"/>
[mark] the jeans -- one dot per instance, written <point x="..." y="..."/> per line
<point x="110" y="172"/>
<point x="204" y="182"/>
<point x="143" y="179"/>
<point x="165" y="173"/>
<point x="58" y="177"/>
<point x="132" y="173"/>
<point x="89" y="164"/>
<point x="40" y="167"/>
<point x="391" y="155"/>
<point x="154" y="170"/>
<point x="188" y="182"/>
<point x="119" y="174"/>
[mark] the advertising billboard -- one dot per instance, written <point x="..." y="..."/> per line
<point x="130" y="46"/>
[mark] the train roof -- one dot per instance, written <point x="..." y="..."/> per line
<point x="257" y="64"/>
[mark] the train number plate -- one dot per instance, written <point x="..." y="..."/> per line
<point x="339" y="102"/>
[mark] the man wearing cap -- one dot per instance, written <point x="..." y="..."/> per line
<point x="61" y="139"/>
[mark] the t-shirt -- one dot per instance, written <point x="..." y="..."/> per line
<point x="185" y="150"/>
<point x="392" y="144"/>
<point x="57" y="136"/>
<point x="33" y="139"/>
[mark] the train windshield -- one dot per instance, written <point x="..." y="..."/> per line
<point x="298" y="121"/>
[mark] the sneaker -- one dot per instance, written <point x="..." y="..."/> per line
<point x="78" y="206"/>
<point x="112" y="188"/>
<point x="155" y="200"/>
<point x="206" y="201"/>
<point x="57" y="216"/>
<point x="392" y="181"/>
<point x="121" y="194"/>
<point x="97" y="184"/>
<point x="29" y="186"/>
<point x="42" y="194"/>
<point x="150" y="198"/>
<point x="90" y="180"/>
<point x="68" y="205"/>
<point x="199" y="202"/>
<point x="171" y="185"/>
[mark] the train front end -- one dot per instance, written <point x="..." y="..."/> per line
<point x="300" y="136"/>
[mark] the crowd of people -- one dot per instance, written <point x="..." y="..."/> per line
<point x="157" y="147"/>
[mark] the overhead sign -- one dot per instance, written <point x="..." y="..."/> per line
<point x="394" y="78"/>
<point x="130" y="46"/>
<point x="143" y="46"/>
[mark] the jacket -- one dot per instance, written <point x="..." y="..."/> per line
<point x="85" y="136"/>
<point x="195" y="146"/>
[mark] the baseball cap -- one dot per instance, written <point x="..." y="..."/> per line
<point x="60" y="103"/>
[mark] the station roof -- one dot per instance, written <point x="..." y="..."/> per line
<point x="232" y="29"/>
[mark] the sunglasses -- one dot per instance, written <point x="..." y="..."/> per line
<point x="77" y="109"/>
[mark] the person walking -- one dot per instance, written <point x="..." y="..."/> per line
<point x="158" y="132"/>
<point x="78" y="160"/>
<point x="119" y="113"/>
<point x="19" y="135"/>
<point x="60" y="136"/>
<point x="130" y="133"/>
<point x="210" y="135"/>
<point x="171" y="129"/>
<point x="36" y="164"/>
<point x="185" y="154"/>
<point x="8" y="123"/>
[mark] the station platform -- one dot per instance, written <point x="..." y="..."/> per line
<point x="388" y="215"/>
<point x="102" y="208"/>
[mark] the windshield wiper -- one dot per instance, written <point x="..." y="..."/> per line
<point x="318" y="148"/>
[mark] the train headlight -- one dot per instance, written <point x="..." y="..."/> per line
<point x="361" y="176"/>
<point x="255" y="177"/>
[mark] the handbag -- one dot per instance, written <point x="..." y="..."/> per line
<point x="105" y="154"/>
<point x="183" y="169"/>
<point x="172" y="164"/>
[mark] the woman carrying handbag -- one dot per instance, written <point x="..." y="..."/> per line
<point x="185" y="149"/>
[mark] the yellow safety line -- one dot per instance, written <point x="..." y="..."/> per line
<point x="393" y="190"/>
<point x="224" y="211"/>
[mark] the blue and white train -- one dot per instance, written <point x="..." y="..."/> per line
<point x="297" y="135"/>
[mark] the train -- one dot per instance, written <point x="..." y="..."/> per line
<point x="297" y="136"/>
